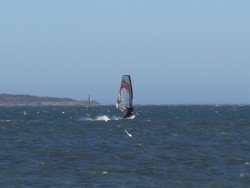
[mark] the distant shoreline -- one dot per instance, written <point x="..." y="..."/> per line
<point x="30" y="100"/>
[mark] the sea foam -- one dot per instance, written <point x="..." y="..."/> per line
<point x="101" y="118"/>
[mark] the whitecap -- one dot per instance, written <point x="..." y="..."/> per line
<point x="7" y="120"/>
<point x="244" y="174"/>
<point x="247" y="163"/>
<point x="102" y="118"/>
<point x="116" y="118"/>
<point x="85" y="119"/>
<point x="104" y="172"/>
<point x="42" y="163"/>
<point x="224" y="133"/>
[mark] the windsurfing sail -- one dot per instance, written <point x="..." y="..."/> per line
<point x="125" y="97"/>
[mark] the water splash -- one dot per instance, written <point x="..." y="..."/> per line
<point x="130" y="135"/>
<point x="101" y="118"/>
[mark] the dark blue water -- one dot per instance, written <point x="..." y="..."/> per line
<point x="171" y="146"/>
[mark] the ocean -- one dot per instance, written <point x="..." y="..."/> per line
<point x="164" y="146"/>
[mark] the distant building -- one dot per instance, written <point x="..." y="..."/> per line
<point x="90" y="102"/>
<point x="29" y="100"/>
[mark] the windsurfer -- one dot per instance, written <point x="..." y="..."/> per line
<point x="129" y="113"/>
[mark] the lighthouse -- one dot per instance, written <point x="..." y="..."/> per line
<point x="89" y="99"/>
<point x="90" y="102"/>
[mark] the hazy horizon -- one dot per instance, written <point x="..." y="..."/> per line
<point x="177" y="52"/>
<point x="143" y="104"/>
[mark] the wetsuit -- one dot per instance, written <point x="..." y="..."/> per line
<point x="129" y="113"/>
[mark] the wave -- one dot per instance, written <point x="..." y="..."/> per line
<point x="7" y="120"/>
<point x="101" y="118"/>
<point x="247" y="163"/>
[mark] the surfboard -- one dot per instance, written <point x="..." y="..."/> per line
<point x="125" y="97"/>
<point x="131" y="117"/>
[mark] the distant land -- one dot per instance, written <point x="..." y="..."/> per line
<point x="29" y="100"/>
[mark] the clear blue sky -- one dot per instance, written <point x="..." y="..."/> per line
<point x="176" y="51"/>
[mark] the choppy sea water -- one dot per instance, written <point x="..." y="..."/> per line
<point x="164" y="146"/>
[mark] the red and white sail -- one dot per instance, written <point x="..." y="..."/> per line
<point x="124" y="100"/>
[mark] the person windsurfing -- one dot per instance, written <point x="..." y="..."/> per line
<point x="129" y="112"/>
<point x="125" y="97"/>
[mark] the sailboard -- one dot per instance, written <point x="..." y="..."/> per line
<point x="125" y="97"/>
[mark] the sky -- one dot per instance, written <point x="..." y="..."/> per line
<point x="176" y="51"/>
